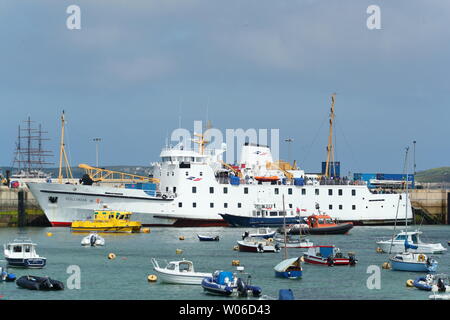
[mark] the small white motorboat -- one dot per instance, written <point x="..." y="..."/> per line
<point x="179" y="272"/>
<point x="258" y="245"/>
<point x="397" y="244"/>
<point x="93" y="240"/>
<point x="22" y="253"/>
<point x="264" y="233"/>
<point x="294" y="243"/>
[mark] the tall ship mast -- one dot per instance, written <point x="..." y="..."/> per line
<point x="30" y="157"/>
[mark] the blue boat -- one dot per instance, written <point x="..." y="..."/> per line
<point x="413" y="262"/>
<point x="207" y="238"/>
<point x="289" y="268"/>
<point x="6" y="276"/>
<point x="285" y="294"/>
<point x="264" y="215"/>
<point x="427" y="282"/>
<point x="225" y="283"/>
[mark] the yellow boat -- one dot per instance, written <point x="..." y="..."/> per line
<point x="108" y="221"/>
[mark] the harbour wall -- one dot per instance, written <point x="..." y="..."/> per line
<point x="431" y="204"/>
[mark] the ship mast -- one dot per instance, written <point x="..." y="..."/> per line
<point x="330" y="147"/>
<point x="62" y="153"/>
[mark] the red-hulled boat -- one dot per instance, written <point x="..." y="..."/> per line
<point x="328" y="256"/>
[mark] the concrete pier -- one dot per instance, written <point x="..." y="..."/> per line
<point x="432" y="203"/>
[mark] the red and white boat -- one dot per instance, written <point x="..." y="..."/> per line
<point x="258" y="245"/>
<point x="328" y="255"/>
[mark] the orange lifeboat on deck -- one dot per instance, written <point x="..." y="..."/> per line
<point x="267" y="179"/>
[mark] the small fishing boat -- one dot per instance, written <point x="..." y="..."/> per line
<point x="289" y="268"/>
<point x="93" y="240"/>
<point x="414" y="262"/>
<point x="296" y="229"/>
<point x="265" y="233"/>
<point x="226" y="283"/>
<point x="397" y="244"/>
<point x="427" y="282"/>
<point x="39" y="283"/>
<point x="257" y="245"/>
<point x="179" y="272"/>
<point x="108" y="221"/>
<point x="263" y="215"/>
<point x="294" y="243"/>
<point x="22" y="253"/>
<point x="207" y="238"/>
<point x="328" y="255"/>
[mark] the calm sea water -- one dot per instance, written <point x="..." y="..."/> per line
<point x="126" y="276"/>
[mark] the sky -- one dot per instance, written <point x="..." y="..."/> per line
<point x="136" y="70"/>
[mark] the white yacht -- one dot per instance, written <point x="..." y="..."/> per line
<point x="397" y="244"/>
<point x="179" y="272"/>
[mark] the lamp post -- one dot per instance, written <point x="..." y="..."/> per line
<point x="96" y="140"/>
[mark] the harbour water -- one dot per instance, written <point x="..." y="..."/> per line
<point x="125" y="277"/>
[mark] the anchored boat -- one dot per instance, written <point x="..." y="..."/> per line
<point x="208" y="238"/>
<point x="328" y="255"/>
<point x="397" y="244"/>
<point x="39" y="283"/>
<point x="108" y="221"/>
<point x="258" y="245"/>
<point x="265" y="233"/>
<point x="22" y="253"/>
<point x="93" y="240"/>
<point x="226" y="283"/>
<point x="179" y="272"/>
<point x="427" y="282"/>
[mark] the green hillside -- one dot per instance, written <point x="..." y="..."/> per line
<point x="441" y="174"/>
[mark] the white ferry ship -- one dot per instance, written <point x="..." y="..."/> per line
<point x="196" y="186"/>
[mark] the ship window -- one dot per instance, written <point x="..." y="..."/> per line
<point x="194" y="189"/>
<point x="246" y="190"/>
<point x="27" y="248"/>
<point x="111" y="216"/>
<point x="340" y="192"/>
<point x="353" y="207"/>
<point x="273" y="213"/>
<point x="303" y="191"/>
<point x="353" y="192"/>
<point x="180" y="204"/>
<point x="289" y="190"/>
<point x="194" y="205"/>
<point x="17" y="249"/>
<point x="225" y="205"/>
<point x="201" y="174"/>
<point x="225" y="190"/>
<point x="174" y="189"/>
<point x="211" y="189"/>
<point x="290" y="205"/>
<point x="254" y="213"/>
<point x="340" y="207"/>
<point x="258" y="213"/>
<point x="330" y="207"/>
<point x="414" y="238"/>
<point x="317" y="192"/>
<point x="171" y="266"/>
<point x="173" y="173"/>
<point x="330" y="192"/>
<point x="239" y="205"/>
<point x="187" y="173"/>
<point x="277" y="191"/>
<point x="211" y="205"/>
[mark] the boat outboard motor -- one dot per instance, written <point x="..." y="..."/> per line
<point x="352" y="260"/>
<point x="242" y="288"/>
<point x="93" y="239"/>
<point x="245" y="235"/>
<point x="277" y="247"/>
<point x="441" y="285"/>
<point x="260" y="247"/>
<point x="330" y="261"/>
